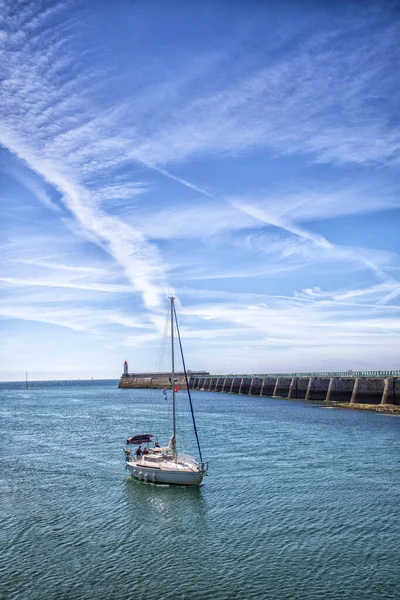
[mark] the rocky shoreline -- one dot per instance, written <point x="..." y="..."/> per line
<point x="383" y="408"/>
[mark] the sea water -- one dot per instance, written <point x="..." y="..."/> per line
<point x="301" y="501"/>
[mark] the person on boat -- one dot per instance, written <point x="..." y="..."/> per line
<point x="127" y="455"/>
<point x="156" y="445"/>
<point x="139" y="452"/>
<point x="145" y="451"/>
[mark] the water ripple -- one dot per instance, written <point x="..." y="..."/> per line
<point x="299" y="503"/>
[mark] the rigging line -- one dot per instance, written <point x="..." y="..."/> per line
<point x="187" y="384"/>
<point x="161" y="349"/>
<point x="157" y="419"/>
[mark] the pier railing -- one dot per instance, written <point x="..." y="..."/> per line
<point x="390" y="373"/>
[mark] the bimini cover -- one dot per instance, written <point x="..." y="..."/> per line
<point x="143" y="438"/>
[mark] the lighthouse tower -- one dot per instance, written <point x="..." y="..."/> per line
<point x="126" y="368"/>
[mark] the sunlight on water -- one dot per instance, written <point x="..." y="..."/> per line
<point x="300" y="501"/>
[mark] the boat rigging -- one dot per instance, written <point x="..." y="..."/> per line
<point x="167" y="465"/>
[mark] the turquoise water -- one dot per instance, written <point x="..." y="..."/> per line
<point x="301" y="502"/>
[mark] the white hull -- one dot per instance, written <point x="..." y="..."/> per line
<point x="173" y="473"/>
<point x="166" y="465"/>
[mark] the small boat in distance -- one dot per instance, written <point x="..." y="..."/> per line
<point x="166" y="465"/>
<point x="26" y="380"/>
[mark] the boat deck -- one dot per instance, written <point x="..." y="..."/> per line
<point x="165" y="463"/>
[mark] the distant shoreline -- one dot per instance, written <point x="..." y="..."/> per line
<point x="33" y="381"/>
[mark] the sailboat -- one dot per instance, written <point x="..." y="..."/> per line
<point x="26" y="379"/>
<point x="156" y="464"/>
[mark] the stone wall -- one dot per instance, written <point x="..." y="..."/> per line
<point x="352" y="390"/>
<point x="150" y="380"/>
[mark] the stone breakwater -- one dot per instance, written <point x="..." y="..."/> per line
<point x="355" y="391"/>
<point x="372" y="390"/>
<point x="155" y="380"/>
<point x="351" y="392"/>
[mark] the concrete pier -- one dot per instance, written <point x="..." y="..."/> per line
<point x="317" y="389"/>
<point x="391" y="391"/>
<point x="163" y="380"/>
<point x="256" y="387"/>
<point x="372" y="388"/>
<point x="283" y="387"/>
<point x="300" y="387"/>
<point x="269" y="384"/>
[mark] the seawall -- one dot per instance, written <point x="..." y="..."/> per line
<point x="155" y="380"/>
<point x="379" y="388"/>
<point x="382" y="389"/>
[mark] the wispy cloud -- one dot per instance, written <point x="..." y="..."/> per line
<point x="296" y="323"/>
<point x="369" y="295"/>
<point x="59" y="266"/>
<point x="174" y="165"/>
<point x="279" y="219"/>
<point x="93" y="321"/>
<point x="321" y="100"/>
<point x="57" y="164"/>
<point x="97" y="287"/>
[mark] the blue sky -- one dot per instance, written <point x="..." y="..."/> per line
<point x="243" y="155"/>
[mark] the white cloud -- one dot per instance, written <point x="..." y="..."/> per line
<point x="193" y="220"/>
<point x="91" y="320"/>
<point x="96" y="287"/>
<point x="62" y="165"/>
<point x="321" y="99"/>
<point x="275" y="216"/>
<point x="128" y="246"/>
<point x="38" y="262"/>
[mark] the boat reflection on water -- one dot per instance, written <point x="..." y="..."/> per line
<point x="173" y="507"/>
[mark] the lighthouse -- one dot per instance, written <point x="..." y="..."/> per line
<point x="126" y="368"/>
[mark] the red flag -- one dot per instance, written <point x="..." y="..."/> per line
<point x="176" y="389"/>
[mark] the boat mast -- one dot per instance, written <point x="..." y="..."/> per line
<point x="173" y="376"/>
<point x="187" y="386"/>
